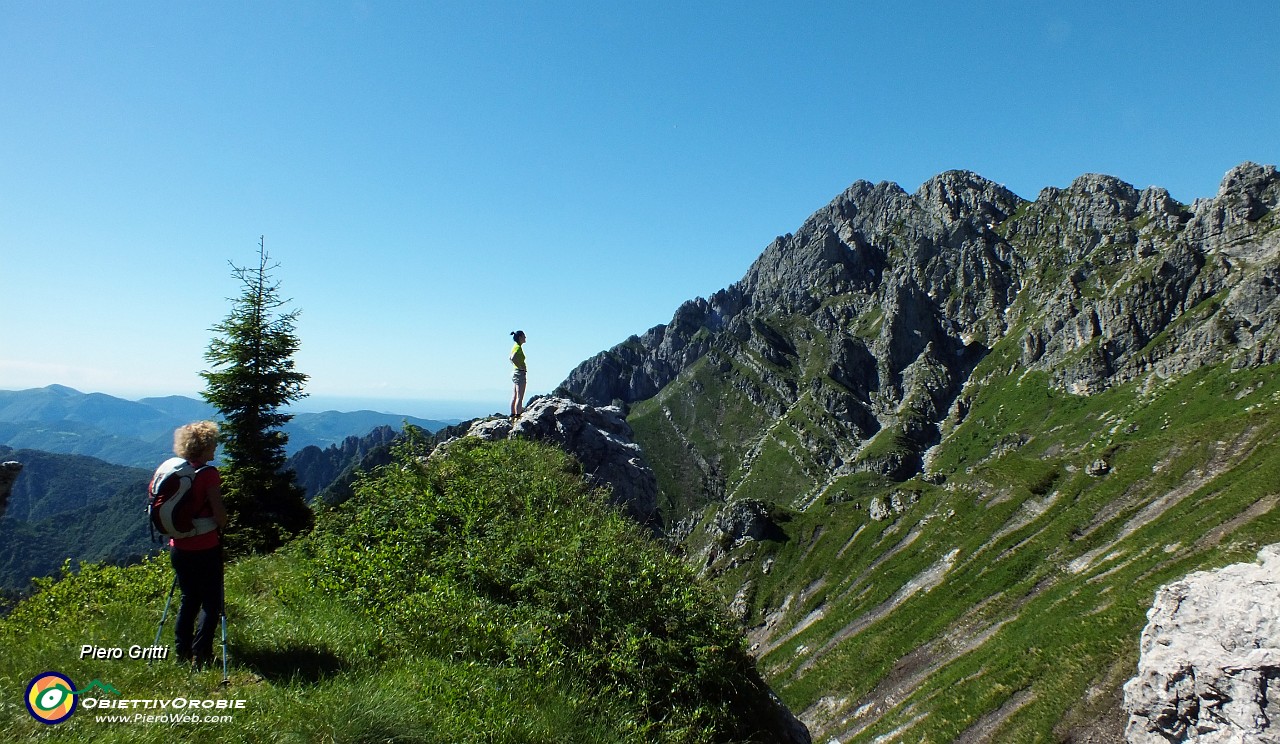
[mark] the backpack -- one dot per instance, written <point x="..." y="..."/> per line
<point x="170" y="509"/>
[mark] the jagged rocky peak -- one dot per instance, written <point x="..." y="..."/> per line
<point x="1250" y="190"/>
<point x="963" y="195"/>
<point x="1135" y="264"/>
<point x="1230" y="222"/>
<point x="883" y="303"/>
<point x="847" y="246"/>
<point x="875" y="249"/>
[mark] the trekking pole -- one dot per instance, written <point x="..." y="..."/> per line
<point x="165" y="614"/>
<point x="225" y="679"/>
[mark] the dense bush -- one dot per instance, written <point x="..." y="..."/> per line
<point x="500" y="553"/>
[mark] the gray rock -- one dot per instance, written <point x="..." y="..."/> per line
<point x="1098" y="468"/>
<point x="1209" y="671"/>
<point x="745" y="520"/>
<point x="896" y="503"/>
<point x="740" y="607"/>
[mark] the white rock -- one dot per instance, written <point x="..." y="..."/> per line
<point x="1209" y="670"/>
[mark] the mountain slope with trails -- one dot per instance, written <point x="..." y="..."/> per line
<point x="939" y="449"/>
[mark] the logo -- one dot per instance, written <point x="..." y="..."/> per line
<point x="97" y="684"/>
<point x="51" y="698"/>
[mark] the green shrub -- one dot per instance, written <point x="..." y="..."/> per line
<point x="500" y="553"/>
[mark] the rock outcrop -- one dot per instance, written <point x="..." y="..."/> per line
<point x="599" y="438"/>
<point x="1209" y="672"/>
<point x="744" y="520"/>
<point x="8" y="474"/>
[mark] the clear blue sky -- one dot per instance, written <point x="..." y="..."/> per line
<point x="433" y="175"/>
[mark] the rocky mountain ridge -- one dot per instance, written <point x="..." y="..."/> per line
<point x="906" y="293"/>
<point x="940" y="449"/>
<point x="317" y="469"/>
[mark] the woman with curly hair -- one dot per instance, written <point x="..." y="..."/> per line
<point x="197" y="560"/>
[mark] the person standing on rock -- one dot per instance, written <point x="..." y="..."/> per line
<point x="521" y="376"/>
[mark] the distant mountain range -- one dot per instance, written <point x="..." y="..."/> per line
<point x="87" y="457"/>
<point x="140" y="433"/>
<point x="79" y="508"/>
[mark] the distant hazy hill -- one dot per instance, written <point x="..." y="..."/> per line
<point x="139" y="433"/>
<point x="79" y="508"/>
<point x="180" y="407"/>
<point x="70" y="507"/>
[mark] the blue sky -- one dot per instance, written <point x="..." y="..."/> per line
<point x="431" y="176"/>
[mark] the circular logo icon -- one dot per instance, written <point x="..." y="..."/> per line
<point x="50" y="698"/>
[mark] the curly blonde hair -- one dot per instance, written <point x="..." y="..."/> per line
<point x="194" y="441"/>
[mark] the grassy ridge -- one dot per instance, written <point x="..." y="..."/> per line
<point x="487" y="596"/>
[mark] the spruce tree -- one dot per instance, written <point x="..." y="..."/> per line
<point x="252" y="379"/>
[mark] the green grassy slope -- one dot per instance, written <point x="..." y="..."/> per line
<point x="1004" y="596"/>
<point x="486" y="596"/>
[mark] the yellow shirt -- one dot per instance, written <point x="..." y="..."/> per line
<point x="517" y="356"/>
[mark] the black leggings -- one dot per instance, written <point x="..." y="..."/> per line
<point x="200" y="578"/>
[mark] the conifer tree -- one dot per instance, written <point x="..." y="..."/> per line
<point x="253" y="377"/>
